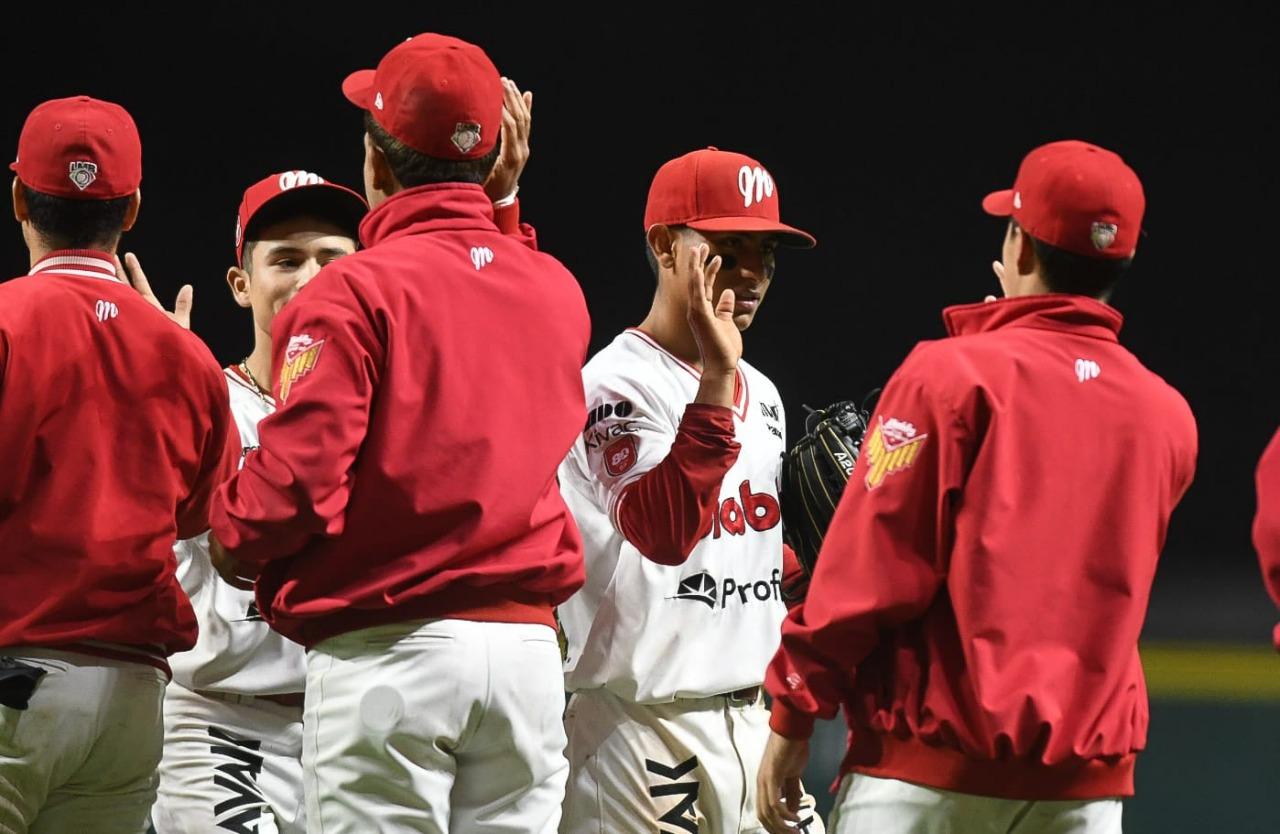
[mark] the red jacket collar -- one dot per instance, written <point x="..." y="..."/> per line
<point x="449" y="205"/>
<point x="1052" y="311"/>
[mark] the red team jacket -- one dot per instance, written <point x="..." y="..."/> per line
<point x="428" y="386"/>
<point x="115" y="428"/>
<point x="1266" y="521"/>
<point x="977" y="602"/>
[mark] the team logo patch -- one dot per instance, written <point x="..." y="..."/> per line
<point x="466" y="135"/>
<point x="1103" y="235"/>
<point x="83" y="174"/>
<point x="620" y="455"/>
<point x="894" y="446"/>
<point x="755" y="185"/>
<point x="300" y="356"/>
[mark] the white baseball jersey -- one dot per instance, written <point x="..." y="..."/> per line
<point x="652" y="633"/>
<point x="236" y="650"/>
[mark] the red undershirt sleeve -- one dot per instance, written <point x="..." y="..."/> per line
<point x="668" y="509"/>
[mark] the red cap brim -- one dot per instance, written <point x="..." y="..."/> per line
<point x="788" y="235"/>
<point x="358" y="88"/>
<point x="999" y="203"/>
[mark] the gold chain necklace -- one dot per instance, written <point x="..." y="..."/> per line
<point x="257" y="389"/>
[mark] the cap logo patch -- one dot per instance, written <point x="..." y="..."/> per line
<point x="893" y="447"/>
<point x="1103" y="234"/>
<point x="754" y="184"/>
<point x="466" y="135"/>
<point x="377" y="101"/>
<point x="83" y="174"/>
<point x="1017" y="199"/>
<point x="300" y="356"/>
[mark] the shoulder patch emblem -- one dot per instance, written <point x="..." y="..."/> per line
<point x="300" y="356"/>
<point x="892" y="447"/>
<point x="620" y="455"/>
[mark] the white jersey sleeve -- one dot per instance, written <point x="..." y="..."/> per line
<point x="236" y="650"/>
<point x="649" y="632"/>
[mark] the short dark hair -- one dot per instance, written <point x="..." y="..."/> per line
<point x="1067" y="272"/>
<point x="413" y="168"/>
<point x="63" y="223"/>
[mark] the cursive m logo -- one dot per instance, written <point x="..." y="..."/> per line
<point x="105" y="310"/>
<point x="480" y="256"/>
<point x="754" y="184"/>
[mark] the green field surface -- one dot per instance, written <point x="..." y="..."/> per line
<point x="1211" y="671"/>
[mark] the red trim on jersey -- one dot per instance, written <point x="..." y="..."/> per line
<point x="741" y="397"/>
<point x="237" y="376"/>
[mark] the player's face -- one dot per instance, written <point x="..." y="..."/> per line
<point x="285" y="257"/>
<point x="748" y="260"/>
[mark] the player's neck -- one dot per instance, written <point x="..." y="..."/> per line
<point x="673" y="334"/>
<point x="258" y="364"/>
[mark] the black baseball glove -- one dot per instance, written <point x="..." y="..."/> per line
<point x="814" y="473"/>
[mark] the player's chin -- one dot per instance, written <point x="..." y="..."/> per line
<point x="743" y="318"/>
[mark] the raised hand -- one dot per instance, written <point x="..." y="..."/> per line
<point x="136" y="278"/>
<point x="710" y="318"/>
<point x="711" y="321"/>
<point x="517" y="115"/>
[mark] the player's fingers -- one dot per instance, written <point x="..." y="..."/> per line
<point x="136" y="276"/>
<point x="792" y="794"/>
<point x="182" y="306"/>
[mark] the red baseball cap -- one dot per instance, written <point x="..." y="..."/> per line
<point x="437" y="94"/>
<point x="1075" y="196"/>
<point x="718" y="191"/>
<point x="293" y="193"/>
<point x="79" y="148"/>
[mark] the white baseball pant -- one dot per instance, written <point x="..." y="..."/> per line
<point x="689" y="765"/>
<point x="891" y="806"/>
<point x="437" y="727"/>
<point x="229" y="766"/>
<point x="82" y="756"/>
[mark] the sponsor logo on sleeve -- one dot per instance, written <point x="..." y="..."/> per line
<point x="620" y="455"/>
<point x="894" y="446"/>
<point x="300" y="356"/>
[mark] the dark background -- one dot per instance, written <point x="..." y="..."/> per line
<point x="883" y="125"/>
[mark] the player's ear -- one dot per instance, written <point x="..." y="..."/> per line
<point x="239" y="280"/>
<point x="20" y="212"/>
<point x="662" y="243"/>
<point x="131" y="213"/>
<point x="1026" y="253"/>
<point x="381" y="177"/>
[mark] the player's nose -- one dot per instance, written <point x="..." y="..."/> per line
<point x="307" y="273"/>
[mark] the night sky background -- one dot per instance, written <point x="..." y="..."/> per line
<point x="883" y="125"/>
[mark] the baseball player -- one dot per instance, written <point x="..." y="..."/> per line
<point x="233" y="712"/>
<point x="977" y="601"/>
<point x="1266" y="521"/>
<point x="402" y="523"/>
<point x="674" y="484"/>
<point x="115" y="428"/>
